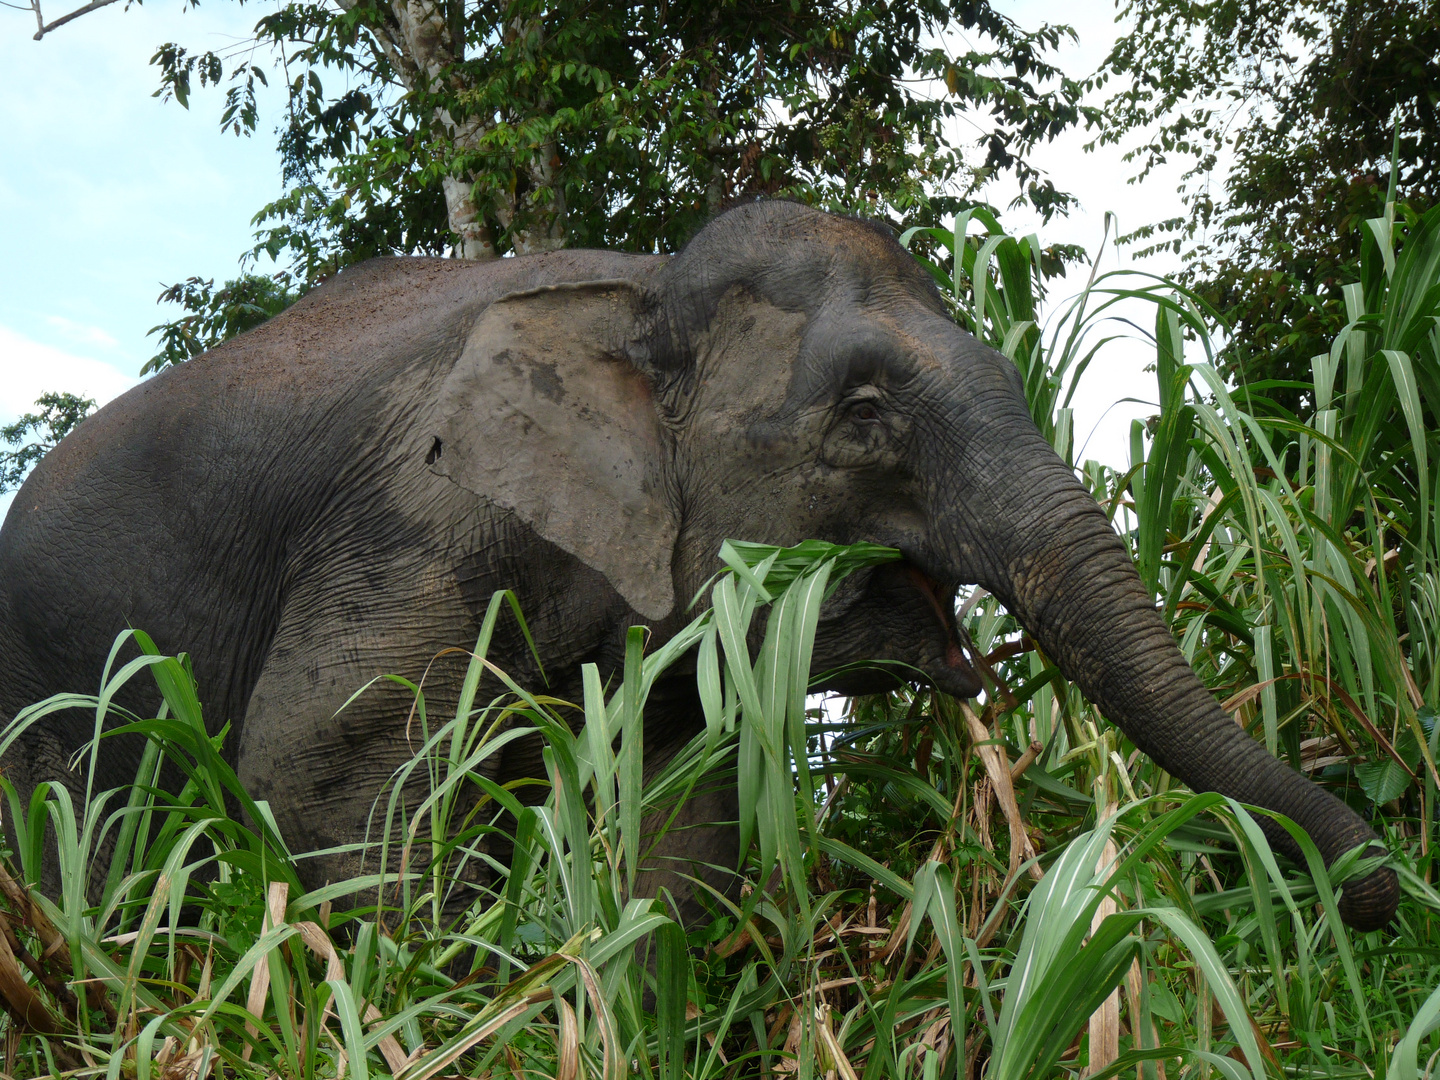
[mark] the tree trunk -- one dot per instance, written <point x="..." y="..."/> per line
<point x="424" y="47"/>
<point x="547" y="231"/>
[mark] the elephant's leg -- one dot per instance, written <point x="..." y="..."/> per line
<point x="701" y="841"/>
<point x="691" y="852"/>
<point x="320" y="763"/>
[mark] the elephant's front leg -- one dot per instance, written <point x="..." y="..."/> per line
<point x="325" y="766"/>
<point x="700" y="841"/>
<point x="694" y="848"/>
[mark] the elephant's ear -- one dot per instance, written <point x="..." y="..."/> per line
<point x="545" y="414"/>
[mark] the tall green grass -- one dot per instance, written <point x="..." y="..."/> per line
<point x="203" y="953"/>
<point x="1296" y="558"/>
<point x="848" y="960"/>
<point x="930" y="888"/>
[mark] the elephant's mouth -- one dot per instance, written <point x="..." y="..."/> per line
<point x="953" y="674"/>
<point x="894" y="622"/>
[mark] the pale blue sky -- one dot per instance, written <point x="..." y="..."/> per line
<point x="107" y="193"/>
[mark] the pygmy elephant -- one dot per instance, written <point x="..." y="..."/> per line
<point x="338" y="492"/>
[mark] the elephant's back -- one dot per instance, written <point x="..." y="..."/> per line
<point x="386" y="311"/>
<point x="278" y="407"/>
<point x="174" y="508"/>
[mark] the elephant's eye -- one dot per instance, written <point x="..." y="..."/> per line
<point x="866" y="428"/>
<point x="866" y="413"/>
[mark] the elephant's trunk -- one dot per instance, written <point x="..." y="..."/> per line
<point x="1052" y="557"/>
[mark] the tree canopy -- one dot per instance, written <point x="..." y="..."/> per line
<point x="484" y="127"/>
<point x="57" y="416"/>
<point x="521" y="125"/>
<point x="1301" y="104"/>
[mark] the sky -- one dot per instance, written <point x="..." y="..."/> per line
<point x="108" y="194"/>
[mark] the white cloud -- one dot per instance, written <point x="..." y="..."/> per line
<point x="80" y="333"/>
<point x="1116" y="388"/>
<point x="107" y="194"/>
<point x="29" y="369"/>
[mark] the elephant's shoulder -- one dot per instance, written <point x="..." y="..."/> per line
<point x="444" y="282"/>
<point x="378" y="316"/>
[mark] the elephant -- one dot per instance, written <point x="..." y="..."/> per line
<point x="338" y="492"/>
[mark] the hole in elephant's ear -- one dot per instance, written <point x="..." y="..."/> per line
<point x="544" y="414"/>
<point x="436" y="449"/>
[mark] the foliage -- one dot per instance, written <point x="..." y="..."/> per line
<point x="521" y="126"/>
<point x="624" y="125"/>
<point x="1297" y="560"/>
<point x="215" y="315"/>
<point x="931" y="891"/>
<point x="58" y="416"/>
<point x="1306" y="101"/>
<point x="541" y="973"/>
<point x="1302" y="555"/>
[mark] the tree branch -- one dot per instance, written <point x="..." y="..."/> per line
<point x="44" y="29"/>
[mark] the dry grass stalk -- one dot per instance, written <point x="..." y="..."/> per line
<point x="611" y="1052"/>
<point x="260" y="977"/>
<point x="834" y="1055"/>
<point x="790" y="1053"/>
<point x="51" y="941"/>
<point x="567" y="1042"/>
<point x="1025" y="760"/>
<point x="23" y="1004"/>
<point x="871" y="925"/>
<point x="997" y="767"/>
<point x="57" y="987"/>
<point x="1105" y="1021"/>
<point x="1321" y="752"/>
<point x="390" y="1048"/>
<point x="937" y="1036"/>
<point x="1133" y="990"/>
<point x="54" y="951"/>
<point x="737" y="940"/>
<point x="900" y="931"/>
<point x="483" y="1032"/>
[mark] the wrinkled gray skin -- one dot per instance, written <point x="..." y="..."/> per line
<point x="337" y="493"/>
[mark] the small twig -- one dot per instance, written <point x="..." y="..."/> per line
<point x="840" y="789"/>
<point x="69" y="1004"/>
<point x="44" y="29"/>
<point x="976" y="595"/>
<point x="1025" y="760"/>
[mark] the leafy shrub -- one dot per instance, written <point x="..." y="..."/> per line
<point x="58" y="416"/>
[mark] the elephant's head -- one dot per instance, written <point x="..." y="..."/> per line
<point x="793" y="374"/>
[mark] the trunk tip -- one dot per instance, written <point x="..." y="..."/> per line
<point x="1370" y="902"/>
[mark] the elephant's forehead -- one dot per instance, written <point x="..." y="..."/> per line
<point x="747" y="351"/>
<point x="831" y="261"/>
<point x="878" y="268"/>
<point x="866" y="245"/>
<point x="756" y="349"/>
<point x="912" y="333"/>
<point x="892" y="333"/>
